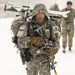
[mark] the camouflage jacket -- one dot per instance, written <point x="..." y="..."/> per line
<point x="30" y="32"/>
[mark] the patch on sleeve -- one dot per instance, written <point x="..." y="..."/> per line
<point x="22" y="27"/>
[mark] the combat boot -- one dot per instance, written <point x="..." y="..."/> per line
<point x="70" y="49"/>
<point x="64" y="50"/>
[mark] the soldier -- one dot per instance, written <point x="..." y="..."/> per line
<point x="55" y="7"/>
<point x="38" y="41"/>
<point x="68" y="27"/>
<point x="57" y="20"/>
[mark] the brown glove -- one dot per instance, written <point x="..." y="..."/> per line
<point x="28" y="41"/>
<point x="37" y="41"/>
<point x="50" y="52"/>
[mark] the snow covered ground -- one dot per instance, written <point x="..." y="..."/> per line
<point x="10" y="62"/>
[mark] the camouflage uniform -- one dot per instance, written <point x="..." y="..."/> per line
<point x="27" y="35"/>
<point x="65" y="33"/>
<point x="57" y="20"/>
<point x="54" y="7"/>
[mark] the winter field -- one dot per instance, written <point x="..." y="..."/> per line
<point x="10" y="62"/>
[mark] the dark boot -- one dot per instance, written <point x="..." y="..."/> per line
<point x="70" y="49"/>
<point x="64" y="50"/>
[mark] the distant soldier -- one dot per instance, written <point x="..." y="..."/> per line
<point x="57" y="20"/>
<point x="55" y="7"/>
<point x="68" y="27"/>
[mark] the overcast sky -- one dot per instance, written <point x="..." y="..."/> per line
<point x="31" y="3"/>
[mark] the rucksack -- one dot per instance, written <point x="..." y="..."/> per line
<point x="15" y="25"/>
<point x="18" y="21"/>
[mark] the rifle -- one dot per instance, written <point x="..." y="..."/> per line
<point x="52" y="64"/>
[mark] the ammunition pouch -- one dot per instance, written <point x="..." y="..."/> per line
<point x="15" y="40"/>
<point x="68" y="27"/>
<point x="68" y="23"/>
<point x="25" y="55"/>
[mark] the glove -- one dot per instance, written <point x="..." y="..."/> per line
<point x="37" y="41"/>
<point x="50" y="52"/>
<point x="28" y="41"/>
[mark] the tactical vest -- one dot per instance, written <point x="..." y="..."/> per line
<point x="34" y="30"/>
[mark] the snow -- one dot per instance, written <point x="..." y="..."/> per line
<point x="10" y="61"/>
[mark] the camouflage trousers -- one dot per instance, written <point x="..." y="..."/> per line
<point x="39" y="65"/>
<point x="67" y="37"/>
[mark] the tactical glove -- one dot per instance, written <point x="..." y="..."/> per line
<point x="50" y="52"/>
<point x="37" y="41"/>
